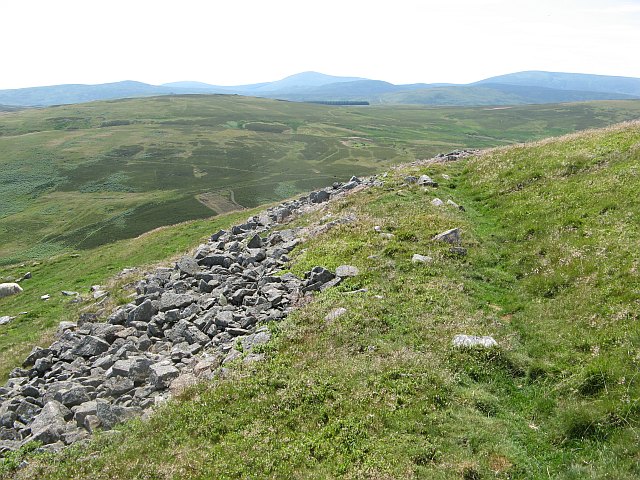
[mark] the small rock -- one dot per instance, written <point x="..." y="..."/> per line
<point x="461" y="341"/>
<point x="346" y="271"/>
<point x="410" y="179"/>
<point x="436" y="202"/>
<point x="417" y="258"/>
<point x="69" y="293"/>
<point x="335" y="313"/>
<point x="5" y="319"/>
<point x="450" y="236"/>
<point x="45" y="297"/>
<point x="455" y="205"/>
<point x="427" y="181"/>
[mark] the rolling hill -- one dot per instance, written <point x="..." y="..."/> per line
<point x="75" y="177"/>
<point x="512" y="89"/>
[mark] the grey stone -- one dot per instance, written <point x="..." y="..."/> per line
<point x="215" y="260"/>
<point x="71" y="396"/>
<point x="35" y="354"/>
<point x="319" y="196"/>
<point x="450" y="236"/>
<point x="320" y="275"/>
<point x="410" y="179"/>
<point x="170" y="300"/>
<point x="162" y="375"/>
<point x="82" y="411"/>
<point x="188" y="266"/>
<point x="117" y="386"/>
<point x="143" y="312"/>
<point x="7" y="419"/>
<point x="426" y="181"/>
<point x="255" y="242"/>
<point x="469" y="341"/>
<point x="5" y="319"/>
<point x="8" y="289"/>
<point x="90" y="346"/>
<point x="436" y="202"/>
<point x="26" y="411"/>
<point x="49" y="425"/>
<point x="255" y="339"/>
<point x="347" y="271"/>
<point x="110" y="415"/>
<point x="417" y="258"/>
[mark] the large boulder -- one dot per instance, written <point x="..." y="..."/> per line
<point x="90" y="346"/>
<point x="8" y="289"/>
<point x="49" y="425"/>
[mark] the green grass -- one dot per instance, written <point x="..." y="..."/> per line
<point x="115" y="169"/>
<point x="551" y="274"/>
<point x="78" y="272"/>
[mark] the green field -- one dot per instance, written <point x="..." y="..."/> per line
<point x="79" y="176"/>
<point x="551" y="272"/>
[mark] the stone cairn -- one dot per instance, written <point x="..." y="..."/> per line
<point x="185" y="324"/>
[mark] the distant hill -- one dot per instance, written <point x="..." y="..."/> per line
<point x="569" y="81"/>
<point x="301" y="81"/>
<point x="512" y="89"/>
<point x="495" y="94"/>
<point x="77" y="93"/>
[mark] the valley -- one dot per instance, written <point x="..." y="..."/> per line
<point x="79" y="176"/>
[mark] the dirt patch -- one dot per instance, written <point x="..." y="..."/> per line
<point x="220" y="202"/>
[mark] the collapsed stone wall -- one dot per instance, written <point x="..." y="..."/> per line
<point x="185" y="324"/>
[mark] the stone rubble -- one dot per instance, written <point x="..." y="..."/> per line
<point x="183" y="325"/>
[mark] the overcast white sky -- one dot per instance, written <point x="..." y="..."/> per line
<point x="47" y="42"/>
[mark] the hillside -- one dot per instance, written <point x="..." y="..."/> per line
<point x="75" y="177"/>
<point x="547" y="266"/>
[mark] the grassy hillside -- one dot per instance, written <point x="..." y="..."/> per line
<point x="551" y="272"/>
<point x="76" y="177"/>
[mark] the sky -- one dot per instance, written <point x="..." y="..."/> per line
<point x="47" y="42"/>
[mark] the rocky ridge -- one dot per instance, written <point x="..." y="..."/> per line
<point x="185" y="324"/>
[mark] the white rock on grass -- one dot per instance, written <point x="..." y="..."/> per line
<point x="417" y="258"/>
<point x="8" y="289"/>
<point x="468" y="341"/>
<point x="335" y="313"/>
<point x="436" y="202"/>
<point x="347" y="271"/>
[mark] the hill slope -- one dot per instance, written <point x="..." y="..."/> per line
<point x="550" y="271"/>
<point x="75" y="177"/>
